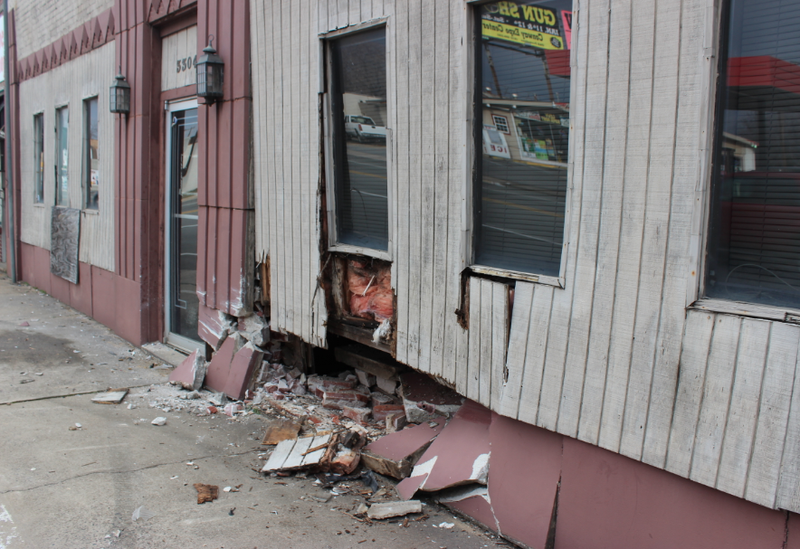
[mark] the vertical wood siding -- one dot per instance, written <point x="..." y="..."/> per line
<point x="614" y="358"/>
<point x="68" y="85"/>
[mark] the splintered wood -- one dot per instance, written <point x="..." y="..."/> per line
<point x="206" y="492"/>
<point x="280" y="430"/>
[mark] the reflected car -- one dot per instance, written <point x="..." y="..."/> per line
<point x="363" y="128"/>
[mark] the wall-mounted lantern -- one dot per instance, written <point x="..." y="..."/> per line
<point x="210" y="69"/>
<point x="120" y="97"/>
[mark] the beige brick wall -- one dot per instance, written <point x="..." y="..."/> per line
<point x="42" y="22"/>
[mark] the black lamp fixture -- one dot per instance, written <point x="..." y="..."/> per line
<point x="210" y="71"/>
<point x="120" y="96"/>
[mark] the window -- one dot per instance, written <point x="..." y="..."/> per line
<point x="522" y="77"/>
<point x="754" y="224"/>
<point x="62" y="157"/>
<point x="358" y="124"/>
<point x="91" y="162"/>
<point x="38" y="158"/>
<point x="501" y="123"/>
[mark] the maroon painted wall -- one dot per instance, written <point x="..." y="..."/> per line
<point x="224" y="194"/>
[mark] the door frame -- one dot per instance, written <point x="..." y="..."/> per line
<point x="171" y="338"/>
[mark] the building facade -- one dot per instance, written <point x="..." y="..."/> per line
<point x="581" y="215"/>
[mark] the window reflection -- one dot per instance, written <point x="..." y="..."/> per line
<point x="523" y="68"/>
<point x="92" y="159"/>
<point x="754" y="242"/>
<point x="359" y="114"/>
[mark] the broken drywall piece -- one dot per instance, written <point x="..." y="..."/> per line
<point x="396" y="454"/>
<point x="459" y="455"/>
<point x="112" y="396"/>
<point x="190" y="373"/>
<point x="280" y="430"/>
<point x="383" y="332"/>
<point x="394" y="509"/>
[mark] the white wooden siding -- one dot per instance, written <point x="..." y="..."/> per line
<point x="614" y="358"/>
<point x="175" y="49"/>
<point x="68" y="85"/>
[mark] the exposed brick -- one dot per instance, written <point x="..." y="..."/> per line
<point x="359" y="415"/>
<point x="380" y="411"/>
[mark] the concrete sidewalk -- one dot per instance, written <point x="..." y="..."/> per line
<point x="65" y="488"/>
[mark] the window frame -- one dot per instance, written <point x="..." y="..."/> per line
<point x="86" y="153"/>
<point x="65" y="201"/>
<point x="38" y="159"/>
<point x="326" y="75"/>
<point x="507" y="131"/>
<point x="474" y="159"/>
<point x="712" y="82"/>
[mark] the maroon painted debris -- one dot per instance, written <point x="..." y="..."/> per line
<point x="394" y="455"/>
<point x="241" y="371"/>
<point x="220" y="365"/>
<point x="459" y="455"/>
<point x="190" y="373"/>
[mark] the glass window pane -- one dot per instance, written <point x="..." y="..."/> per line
<point x="754" y="231"/>
<point x="523" y="72"/>
<point x="358" y="101"/>
<point x="62" y="157"/>
<point x="38" y="158"/>
<point x="92" y="159"/>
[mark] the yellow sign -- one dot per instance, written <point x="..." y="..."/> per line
<point x="527" y="24"/>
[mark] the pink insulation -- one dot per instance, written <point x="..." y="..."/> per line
<point x="370" y="286"/>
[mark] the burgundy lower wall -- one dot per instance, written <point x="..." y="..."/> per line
<point x="103" y="295"/>
<point x="607" y="501"/>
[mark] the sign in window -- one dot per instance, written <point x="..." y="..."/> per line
<point x="522" y="68"/>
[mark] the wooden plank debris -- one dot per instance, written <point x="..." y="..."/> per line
<point x="394" y="509"/>
<point x="112" y="396"/>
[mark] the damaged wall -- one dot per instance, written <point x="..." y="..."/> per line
<point x="597" y="359"/>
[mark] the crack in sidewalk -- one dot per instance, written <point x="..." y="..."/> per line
<point x="52" y="397"/>
<point x="127" y="471"/>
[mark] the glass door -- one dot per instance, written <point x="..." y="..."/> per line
<point x="182" y="153"/>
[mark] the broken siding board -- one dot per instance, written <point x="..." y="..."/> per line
<point x="311" y="458"/>
<point x="296" y="458"/>
<point x="453" y="367"/>
<point x="486" y="342"/>
<point x="305" y="182"/>
<point x="587" y="246"/>
<point x="743" y="411"/>
<point x="602" y="308"/>
<point x="400" y="157"/>
<point x="677" y="268"/>
<point x="278" y="262"/>
<point x="415" y="176"/>
<point x="716" y="400"/>
<point x="440" y="236"/>
<point x="654" y="232"/>
<point x="517" y="346"/>
<point x="632" y="227"/>
<point x="764" y="479"/>
<point x="291" y="185"/>
<point x="788" y="496"/>
<point x="472" y="388"/>
<point x="558" y="326"/>
<point x="427" y="191"/>
<point x="688" y="400"/>
<point x="499" y="337"/>
<point x="535" y="354"/>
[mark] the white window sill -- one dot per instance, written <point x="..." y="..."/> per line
<point x="752" y="310"/>
<point x="90" y="212"/>
<point x="358" y="250"/>
<point x="558" y="282"/>
<point x="41" y="205"/>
